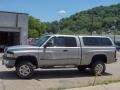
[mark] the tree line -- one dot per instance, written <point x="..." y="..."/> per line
<point x="98" y="20"/>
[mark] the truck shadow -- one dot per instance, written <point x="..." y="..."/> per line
<point x="49" y="74"/>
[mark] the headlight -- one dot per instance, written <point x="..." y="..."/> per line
<point x="5" y="49"/>
<point x="10" y="54"/>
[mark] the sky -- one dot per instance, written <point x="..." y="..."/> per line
<point x="51" y="10"/>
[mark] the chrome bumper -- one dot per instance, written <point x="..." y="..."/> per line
<point x="8" y="62"/>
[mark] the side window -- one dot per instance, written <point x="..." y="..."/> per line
<point x="66" y="41"/>
<point x="60" y="41"/>
<point x="70" y="42"/>
<point x="51" y="42"/>
<point x="106" y="42"/>
<point x="96" y="41"/>
<point x="91" y="41"/>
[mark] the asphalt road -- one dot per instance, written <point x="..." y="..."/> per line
<point x="57" y="78"/>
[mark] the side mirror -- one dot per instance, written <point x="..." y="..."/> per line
<point x="49" y="44"/>
<point x="45" y="46"/>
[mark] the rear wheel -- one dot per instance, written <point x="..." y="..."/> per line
<point x="25" y="69"/>
<point x="98" y="68"/>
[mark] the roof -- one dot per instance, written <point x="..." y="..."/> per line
<point x="14" y="12"/>
<point x="77" y="35"/>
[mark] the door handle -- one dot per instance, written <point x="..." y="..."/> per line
<point x="65" y="50"/>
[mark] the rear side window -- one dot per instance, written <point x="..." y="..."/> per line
<point x="66" y="41"/>
<point x="91" y="41"/>
<point x="96" y="41"/>
<point x="106" y="42"/>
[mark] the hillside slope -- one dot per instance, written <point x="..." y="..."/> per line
<point x="102" y="19"/>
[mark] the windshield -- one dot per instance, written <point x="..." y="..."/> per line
<point x="41" y="41"/>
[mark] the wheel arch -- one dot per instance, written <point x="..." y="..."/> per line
<point x="99" y="57"/>
<point x="29" y="58"/>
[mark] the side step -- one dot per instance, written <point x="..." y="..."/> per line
<point x="50" y="67"/>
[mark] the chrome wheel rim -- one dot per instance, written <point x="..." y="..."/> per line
<point x="24" y="70"/>
<point x="98" y="69"/>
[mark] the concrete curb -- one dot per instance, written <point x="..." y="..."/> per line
<point x="113" y="86"/>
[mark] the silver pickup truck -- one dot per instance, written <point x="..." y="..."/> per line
<point x="83" y="52"/>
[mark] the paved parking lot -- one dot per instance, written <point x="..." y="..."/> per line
<point x="57" y="78"/>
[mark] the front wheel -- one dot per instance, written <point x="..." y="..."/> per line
<point x="25" y="70"/>
<point x="98" y="68"/>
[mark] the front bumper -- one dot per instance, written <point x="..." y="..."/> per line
<point x="8" y="62"/>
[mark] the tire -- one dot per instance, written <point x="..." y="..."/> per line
<point x="81" y="68"/>
<point x="25" y="70"/>
<point x="98" y="68"/>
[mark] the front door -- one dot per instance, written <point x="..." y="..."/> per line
<point x="61" y="51"/>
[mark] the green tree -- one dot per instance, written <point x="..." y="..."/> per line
<point x="35" y="25"/>
<point x="99" y="19"/>
<point x="33" y="33"/>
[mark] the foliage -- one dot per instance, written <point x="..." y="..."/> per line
<point x="98" y="19"/>
<point x="33" y="33"/>
<point x="36" y="27"/>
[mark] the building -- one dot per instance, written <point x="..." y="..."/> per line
<point x="13" y="28"/>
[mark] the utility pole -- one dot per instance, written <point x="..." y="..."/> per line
<point x="102" y="20"/>
<point x="114" y="30"/>
<point x="91" y="24"/>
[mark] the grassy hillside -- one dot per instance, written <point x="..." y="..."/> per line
<point x="102" y="19"/>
